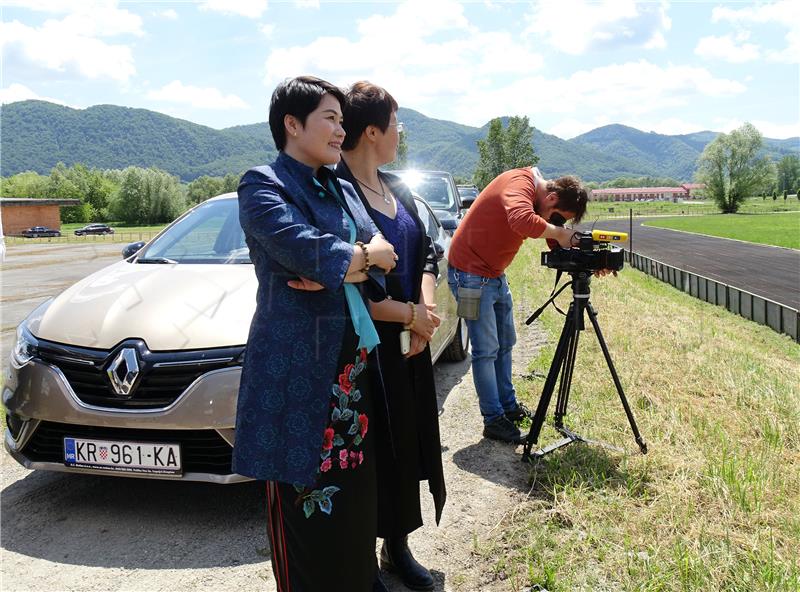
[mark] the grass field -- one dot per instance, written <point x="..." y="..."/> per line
<point x="754" y="205"/>
<point x="782" y="230"/>
<point x="715" y="504"/>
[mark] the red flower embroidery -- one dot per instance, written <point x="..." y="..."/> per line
<point x="343" y="459"/>
<point x="363" y="421"/>
<point x="363" y="354"/>
<point x="344" y="379"/>
<point x="327" y="439"/>
<point x="353" y="460"/>
<point x="326" y="465"/>
<point x="360" y="456"/>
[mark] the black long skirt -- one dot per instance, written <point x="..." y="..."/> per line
<point x="323" y="538"/>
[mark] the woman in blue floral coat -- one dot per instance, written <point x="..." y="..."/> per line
<point x="303" y="418"/>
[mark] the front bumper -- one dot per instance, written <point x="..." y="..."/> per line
<point x="202" y="419"/>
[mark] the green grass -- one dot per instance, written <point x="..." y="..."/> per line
<point x="782" y="230"/>
<point x="753" y="205"/>
<point x="714" y="505"/>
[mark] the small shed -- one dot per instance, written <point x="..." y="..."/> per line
<point x="18" y="214"/>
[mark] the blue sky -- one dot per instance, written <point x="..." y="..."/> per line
<point x="569" y="65"/>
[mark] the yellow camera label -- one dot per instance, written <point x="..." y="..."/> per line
<point x="608" y="236"/>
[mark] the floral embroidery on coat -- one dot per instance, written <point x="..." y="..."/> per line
<point x="341" y="439"/>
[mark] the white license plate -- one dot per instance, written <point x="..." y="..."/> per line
<point x="127" y="457"/>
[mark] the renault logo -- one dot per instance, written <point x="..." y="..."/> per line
<point x="124" y="371"/>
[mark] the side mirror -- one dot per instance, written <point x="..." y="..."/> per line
<point x="439" y="250"/>
<point x="449" y="224"/>
<point x="131" y="249"/>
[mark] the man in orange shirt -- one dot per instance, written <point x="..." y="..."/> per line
<point x="516" y="205"/>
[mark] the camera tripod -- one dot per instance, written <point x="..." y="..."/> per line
<point x="563" y="364"/>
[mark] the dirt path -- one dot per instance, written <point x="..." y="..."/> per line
<point x="93" y="534"/>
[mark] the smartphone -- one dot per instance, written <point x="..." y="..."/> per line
<point x="405" y="342"/>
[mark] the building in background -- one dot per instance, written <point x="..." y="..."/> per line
<point x="18" y="214"/>
<point x="685" y="191"/>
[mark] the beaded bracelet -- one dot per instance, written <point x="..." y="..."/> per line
<point x="364" y="249"/>
<point x="413" y="316"/>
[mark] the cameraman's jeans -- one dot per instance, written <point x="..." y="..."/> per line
<point x="493" y="336"/>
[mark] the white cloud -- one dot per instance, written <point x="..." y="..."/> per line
<point x="791" y="53"/>
<point x="576" y="26"/>
<point x="247" y="8"/>
<point x="267" y="29"/>
<point x="69" y="46"/>
<point x="202" y="98"/>
<point x="728" y="49"/>
<point x="420" y="61"/>
<point x="783" y="13"/>
<point x="19" y="92"/>
<point x="620" y="92"/>
<point x="306" y="3"/>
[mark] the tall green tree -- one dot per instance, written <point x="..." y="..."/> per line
<point x="788" y="172"/>
<point x="148" y="196"/>
<point x="731" y="168"/>
<point x="504" y="149"/>
<point x="491" y="154"/>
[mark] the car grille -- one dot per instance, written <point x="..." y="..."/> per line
<point x="163" y="375"/>
<point x="202" y="451"/>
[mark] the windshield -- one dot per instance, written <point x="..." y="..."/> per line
<point x="435" y="188"/>
<point x="468" y="192"/>
<point x="209" y="233"/>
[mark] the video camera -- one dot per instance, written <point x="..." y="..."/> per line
<point x="592" y="251"/>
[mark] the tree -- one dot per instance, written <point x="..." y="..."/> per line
<point x="148" y="196"/>
<point x="731" y="168"/>
<point x="504" y="149"/>
<point x="788" y="172"/>
<point x="204" y="187"/>
<point x="26" y="184"/>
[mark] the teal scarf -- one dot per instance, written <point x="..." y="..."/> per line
<point x="362" y="321"/>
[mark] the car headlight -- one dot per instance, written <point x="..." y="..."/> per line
<point x="25" y="348"/>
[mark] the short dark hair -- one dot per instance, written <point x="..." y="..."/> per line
<point x="298" y="97"/>
<point x="366" y="104"/>
<point x="572" y="195"/>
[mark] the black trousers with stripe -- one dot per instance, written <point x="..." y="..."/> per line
<point x="323" y="538"/>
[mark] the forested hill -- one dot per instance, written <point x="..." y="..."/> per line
<point x="36" y="135"/>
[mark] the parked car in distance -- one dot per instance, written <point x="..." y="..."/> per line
<point x="134" y="370"/>
<point x="38" y="231"/>
<point x="94" y="229"/>
<point x="438" y="188"/>
<point x="468" y="194"/>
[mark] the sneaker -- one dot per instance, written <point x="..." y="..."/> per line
<point x="518" y="414"/>
<point x="503" y="430"/>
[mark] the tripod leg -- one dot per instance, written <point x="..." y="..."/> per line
<point x="617" y="383"/>
<point x="547" y="392"/>
<point x="566" y="374"/>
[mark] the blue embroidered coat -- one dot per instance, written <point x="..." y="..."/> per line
<point x="293" y="227"/>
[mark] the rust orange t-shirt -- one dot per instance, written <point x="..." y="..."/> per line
<point x="495" y="225"/>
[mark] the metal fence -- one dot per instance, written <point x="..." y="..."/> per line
<point x="117" y="237"/>
<point x="780" y="318"/>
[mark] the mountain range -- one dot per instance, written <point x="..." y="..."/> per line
<point x="36" y="135"/>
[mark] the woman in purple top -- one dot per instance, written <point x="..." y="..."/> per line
<point x="407" y="426"/>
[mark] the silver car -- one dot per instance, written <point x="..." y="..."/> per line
<point x="134" y="371"/>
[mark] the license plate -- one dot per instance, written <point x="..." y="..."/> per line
<point x="127" y="457"/>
